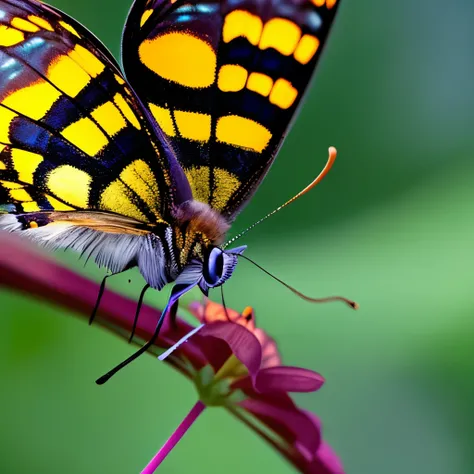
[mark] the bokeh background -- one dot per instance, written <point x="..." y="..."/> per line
<point x="392" y="226"/>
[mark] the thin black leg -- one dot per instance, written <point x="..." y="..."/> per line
<point x="137" y="313"/>
<point x="176" y="293"/>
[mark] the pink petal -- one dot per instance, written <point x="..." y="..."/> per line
<point x="326" y="462"/>
<point x="281" y="379"/>
<point x="304" y="459"/>
<point x="270" y="354"/>
<point x="288" y="379"/>
<point x="243" y="344"/>
<point x="246" y="385"/>
<point x="212" y="313"/>
<point x="290" y="423"/>
<point x="216" y="351"/>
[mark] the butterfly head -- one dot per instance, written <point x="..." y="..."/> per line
<point x="205" y="264"/>
<point x="218" y="266"/>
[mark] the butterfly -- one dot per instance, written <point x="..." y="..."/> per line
<point x="150" y="170"/>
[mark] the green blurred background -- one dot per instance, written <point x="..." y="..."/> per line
<point x="391" y="227"/>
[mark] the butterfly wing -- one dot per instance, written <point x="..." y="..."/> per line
<point x="72" y="133"/>
<point x="77" y="151"/>
<point x="223" y="79"/>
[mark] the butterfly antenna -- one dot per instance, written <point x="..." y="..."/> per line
<point x="317" y="180"/>
<point x="137" y="313"/>
<point x="349" y="302"/>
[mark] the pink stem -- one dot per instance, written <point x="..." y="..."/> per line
<point x="174" y="439"/>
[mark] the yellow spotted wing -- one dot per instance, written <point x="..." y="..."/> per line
<point x="73" y="135"/>
<point x="223" y="79"/>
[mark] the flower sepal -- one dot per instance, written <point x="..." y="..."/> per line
<point x="215" y="391"/>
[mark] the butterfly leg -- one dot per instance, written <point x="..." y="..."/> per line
<point x="137" y="313"/>
<point x="224" y="305"/>
<point x="173" y="311"/>
<point x="176" y="293"/>
<point x="101" y="293"/>
<point x="99" y="297"/>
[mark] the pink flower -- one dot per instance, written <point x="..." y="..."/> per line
<point x="232" y="363"/>
<point x="265" y="388"/>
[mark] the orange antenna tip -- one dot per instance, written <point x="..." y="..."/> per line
<point x="327" y="167"/>
<point x="353" y="305"/>
<point x="331" y="159"/>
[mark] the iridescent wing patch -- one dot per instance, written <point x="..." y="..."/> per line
<point x="223" y="79"/>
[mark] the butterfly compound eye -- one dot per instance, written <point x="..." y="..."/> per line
<point x="214" y="267"/>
